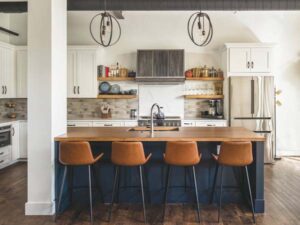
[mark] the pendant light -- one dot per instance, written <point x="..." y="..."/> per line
<point x="108" y="29"/>
<point x="200" y="29"/>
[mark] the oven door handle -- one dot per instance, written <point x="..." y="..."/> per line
<point x="12" y="131"/>
<point x="4" y="131"/>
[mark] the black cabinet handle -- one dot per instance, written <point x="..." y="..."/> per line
<point x="252" y="64"/>
<point x="74" y="90"/>
<point x="78" y="90"/>
<point x="5" y="89"/>
<point x="2" y="89"/>
<point x="248" y="65"/>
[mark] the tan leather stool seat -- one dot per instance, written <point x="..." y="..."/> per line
<point x="235" y="154"/>
<point x="128" y="154"/>
<point x="179" y="153"/>
<point x="77" y="154"/>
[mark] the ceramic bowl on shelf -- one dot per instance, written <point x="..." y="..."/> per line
<point x="104" y="87"/>
<point x="115" y="89"/>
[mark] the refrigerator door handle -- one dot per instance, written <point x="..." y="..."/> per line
<point x="252" y="97"/>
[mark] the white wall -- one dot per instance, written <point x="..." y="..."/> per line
<point x="168" y="30"/>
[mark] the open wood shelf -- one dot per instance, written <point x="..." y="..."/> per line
<point x="205" y="78"/>
<point x="116" y="96"/>
<point x="204" y="96"/>
<point x="116" y="78"/>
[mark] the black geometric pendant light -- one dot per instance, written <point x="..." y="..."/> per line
<point x="105" y="28"/>
<point x="200" y="29"/>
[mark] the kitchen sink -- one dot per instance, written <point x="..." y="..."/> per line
<point x="155" y="129"/>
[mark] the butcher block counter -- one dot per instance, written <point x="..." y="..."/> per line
<point x="203" y="134"/>
<point x="208" y="140"/>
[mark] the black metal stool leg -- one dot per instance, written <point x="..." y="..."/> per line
<point x="96" y="181"/>
<point x="196" y="192"/>
<point x="71" y="177"/>
<point x="119" y="183"/>
<point x="166" y="188"/>
<point x="90" y="195"/>
<point x="146" y="182"/>
<point x="214" y="184"/>
<point x="60" y="192"/>
<point x="142" y="190"/>
<point x="250" y="193"/>
<point x="220" y="197"/>
<point x="114" y="190"/>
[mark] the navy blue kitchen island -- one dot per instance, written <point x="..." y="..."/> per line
<point x="208" y="139"/>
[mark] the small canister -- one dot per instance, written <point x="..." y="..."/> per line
<point x="205" y="71"/>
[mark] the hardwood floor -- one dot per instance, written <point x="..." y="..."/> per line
<point x="282" y="194"/>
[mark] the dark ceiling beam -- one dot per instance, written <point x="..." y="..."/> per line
<point x="224" y="5"/>
<point x="13" y="7"/>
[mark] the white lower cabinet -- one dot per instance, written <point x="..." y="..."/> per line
<point x="23" y="139"/>
<point x="75" y="123"/>
<point x="5" y="156"/>
<point x="106" y="123"/>
<point x="15" y="140"/>
<point x="204" y="123"/>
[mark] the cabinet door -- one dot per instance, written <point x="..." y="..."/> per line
<point x="160" y="63"/>
<point x="2" y="69"/>
<point x="144" y="63"/>
<point x="108" y="124"/>
<point x="239" y="60"/>
<point x="71" y="73"/>
<point x="15" y="135"/>
<point x="86" y="74"/>
<point x="8" y="76"/>
<point x="260" y="60"/>
<point x="21" y="73"/>
<point x="79" y="124"/>
<point x="23" y="139"/>
<point x="176" y="63"/>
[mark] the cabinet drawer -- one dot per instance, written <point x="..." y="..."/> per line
<point x="108" y="124"/>
<point x="188" y="124"/>
<point x="79" y="124"/>
<point x="4" y="152"/>
<point x="5" y="161"/>
<point x="211" y="124"/>
<point x="131" y="124"/>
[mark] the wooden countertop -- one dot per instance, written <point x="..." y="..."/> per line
<point x="205" y="134"/>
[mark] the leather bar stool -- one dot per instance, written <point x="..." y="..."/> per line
<point x="128" y="154"/>
<point x="76" y="154"/>
<point x="183" y="154"/>
<point x="233" y="154"/>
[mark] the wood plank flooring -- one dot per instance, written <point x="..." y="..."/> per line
<point x="282" y="194"/>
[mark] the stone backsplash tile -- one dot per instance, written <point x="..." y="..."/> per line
<point x="90" y="108"/>
<point x="193" y="107"/>
<point x="20" y="109"/>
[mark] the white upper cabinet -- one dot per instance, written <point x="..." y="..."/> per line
<point x="247" y="59"/>
<point x="82" y="73"/>
<point x="7" y="71"/>
<point x="21" y="62"/>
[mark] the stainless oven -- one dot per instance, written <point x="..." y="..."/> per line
<point x="5" y="136"/>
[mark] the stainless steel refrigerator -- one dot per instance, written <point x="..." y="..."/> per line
<point x="251" y="105"/>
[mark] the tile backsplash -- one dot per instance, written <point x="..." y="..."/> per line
<point x="20" y="109"/>
<point x="193" y="108"/>
<point x="90" y="108"/>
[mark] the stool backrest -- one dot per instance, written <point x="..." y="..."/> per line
<point x="236" y="153"/>
<point x="75" y="153"/>
<point x="128" y="153"/>
<point x="182" y="153"/>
